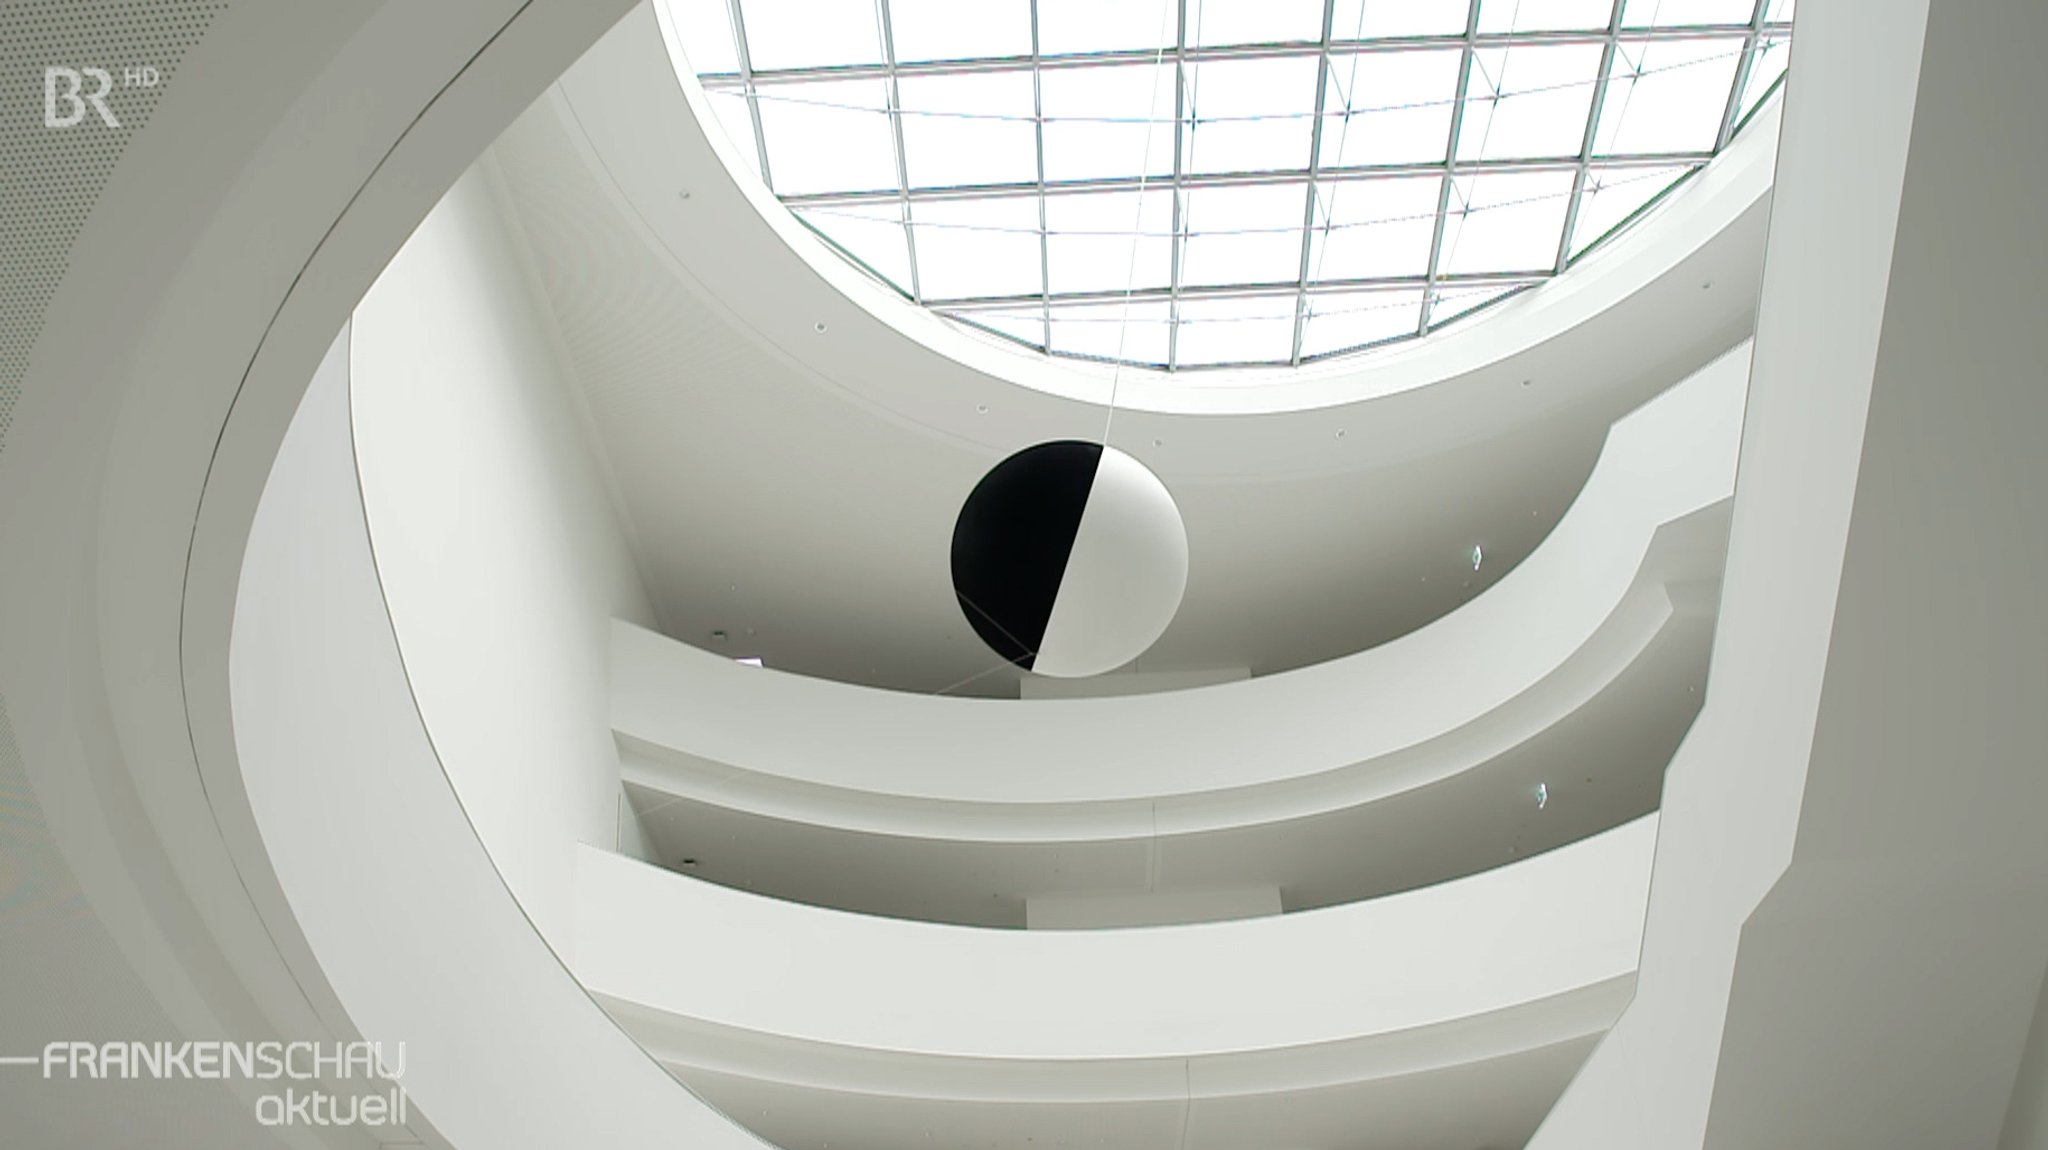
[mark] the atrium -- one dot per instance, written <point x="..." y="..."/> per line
<point x="1133" y="575"/>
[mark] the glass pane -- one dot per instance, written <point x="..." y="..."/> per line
<point x="1135" y="332"/>
<point x="1389" y="107"/>
<point x="1066" y="26"/>
<point x="1243" y="235"/>
<point x="1685" y="13"/>
<point x="705" y="29"/>
<point x="1212" y="22"/>
<point x="1772" y="52"/>
<point x="1371" y="229"/>
<point x="810" y="33"/>
<point x="1218" y="331"/>
<point x="1778" y="11"/>
<point x="1614" y="195"/>
<point x="1543" y="15"/>
<point x="1342" y="320"/>
<point x="1377" y="19"/>
<point x="1251" y="115"/>
<point x="1504" y="221"/>
<point x="730" y="107"/>
<point x="973" y="248"/>
<point x="1110" y="241"/>
<point x="1528" y="101"/>
<point x="1452" y="302"/>
<point x="1108" y="121"/>
<point x="871" y="233"/>
<point x="1666" y="96"/>
<point x="829" y="136"/>
<point x="1025" y="325"/>
<point x="951" y="30"/>
<point x="974" y="128"/>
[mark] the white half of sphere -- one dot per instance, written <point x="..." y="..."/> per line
<point x="1124" y="578"/>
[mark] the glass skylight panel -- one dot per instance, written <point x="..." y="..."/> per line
<point x="1613" y="195"/>
<point x="1543" y="15"/>
<point x="705" y="28"/>
<point x="1389" y="107"/>
<point x="1212" y="331"/>
<point x="1685" y="13"/>
<point x="828" y="136"/>
<point x="955" y="30"/>
<point x="1372" y="229"/>
<point x="1528" y="101"/>
<point x="968" y="128"/>
<point x="811" y="33"/>
<point x="1075" y="26"/>
<point x="1043" y="184"/>
<point x="1218" y="22"/>
<point x="1666" y="96"/>
<point x="1453" y="302"/>
<point x="737" y="122"/>
<point x="1109" y="241"/>
<point x="1340" y="321"/>
<point x="1250" y="115"/>
<point x="1384" y="19"/>
<point x="1769" y="63"/>
<point x="1025" y="325"/>
<point x="1108" y="121"/>
<point x="1504" y="222"/>
<point x="871" y="233"/>
<point x="1243" y="234"/>
<point x="1134" y="332"/>
<point x="977" y="248"/>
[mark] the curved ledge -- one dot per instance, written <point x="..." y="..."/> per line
<point x="1488" y="972"/>
<point x="1543" y="639"/>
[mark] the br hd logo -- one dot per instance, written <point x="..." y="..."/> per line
<point x="66" y="98"/>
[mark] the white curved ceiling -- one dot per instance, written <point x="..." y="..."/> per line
<point x="793" y="488"/>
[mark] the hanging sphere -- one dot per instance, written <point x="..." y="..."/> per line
<point x="1069" y="558"/>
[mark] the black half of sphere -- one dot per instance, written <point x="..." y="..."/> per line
<point x="1011" y="543"/>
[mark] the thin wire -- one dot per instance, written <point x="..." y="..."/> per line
<point x="1116" y="374"/>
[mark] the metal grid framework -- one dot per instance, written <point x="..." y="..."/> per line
<point x="1250" y="182"/>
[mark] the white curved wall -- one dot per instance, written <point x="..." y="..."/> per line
<point x="500" y="553"/>
<point x="1551" y="925"/>
<point x="412" y="924"/>
<point x="1671" y="458"/>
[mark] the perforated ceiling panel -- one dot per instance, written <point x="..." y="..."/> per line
<point x="57" y="144"/>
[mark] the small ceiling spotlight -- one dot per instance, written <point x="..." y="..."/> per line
<point x="1527" y="382"/>
<point x="718" y="636"/>
<point x="682" y="193"/>
<point x="820" y="326"/>
<point x="981" y="408"/>
<point x="1340" y="433"/>
<point x="1542" y="796"/>
<point x="1477" y="555"/>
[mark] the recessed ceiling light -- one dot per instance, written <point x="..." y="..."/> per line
<point x="820" y="325"/>
<point x="1477" y="554"/>
<point x="1542" y="796"/>
<point x="683" y="194"/>
<point x="718" y="636"/>
<point x="981" y="408"/>
<point x="1340" y="433"/>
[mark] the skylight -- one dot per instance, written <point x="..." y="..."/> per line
<point x="1197" y="183"/>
